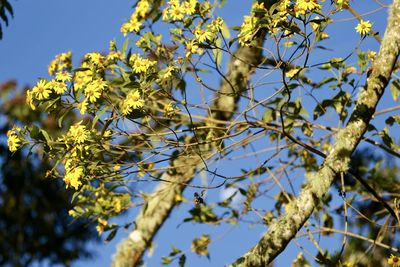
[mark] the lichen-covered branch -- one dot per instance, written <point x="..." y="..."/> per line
<point x="285" y="228"/>
<point x="161" y="202"/>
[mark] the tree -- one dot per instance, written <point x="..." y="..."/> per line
<point x="36" y="227"/>
<point x="151" y="112"/>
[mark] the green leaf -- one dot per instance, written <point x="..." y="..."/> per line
<point x="111" y="235"/>
<point x="362" y="60"/>
<point x="395" y="89"/>
<point x="182" y="260"/>
<point x="269" y="115"/>
<point x="175" y="251"/>
<point x="225" y="31"/>
<point x="98" y="116"/>
<point x="217" y="53"/>
<point x="125" y="45"/>
<point x="46" y="135"/>
<point x="166" y="260"/>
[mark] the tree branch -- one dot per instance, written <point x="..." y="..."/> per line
<point x="285" y="228"/>
<point x="161" y="202"/>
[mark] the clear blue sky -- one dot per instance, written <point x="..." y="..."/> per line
<point x="43" y="28"/>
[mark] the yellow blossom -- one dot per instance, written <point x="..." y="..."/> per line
<point x="133" y="25"/>
<point x="58" y="86"/>
<point x="29" y="99"/>
<point x="101" y="225"/>
<point x="176" y="12"/>
<point x="371" y="55"/>
<point x="342" y="4"/>
<point x="60" y="62"/>
<point x="167" y="72"/>
<point x="73" y="176"/>
<point x="364" y="27"/>
<point x="13" y="141"/>
<point x="190" y="6"/>
<point x="394" y="261"/>
<point x="81" y="78"/>
<point x="78" y="133"/>
<point x="63" y="76"/>
<point x="132" y="101"/>
<point x="203" y="35"/>
<point x="307" y="5"/>
<point x="139" y="64"/>
<point x="142" y="8"/>
<point x="94" y="89"/>
<point x="291" y="73"/>
<point x="247" y="30"/>
<point x="82" y="107"/>
<point x="192" y="48"/>
<point x="41" y="90"/>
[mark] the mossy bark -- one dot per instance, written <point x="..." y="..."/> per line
<point x="285" y="228"/>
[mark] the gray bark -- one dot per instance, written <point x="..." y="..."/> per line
<point x="285" y="228"/>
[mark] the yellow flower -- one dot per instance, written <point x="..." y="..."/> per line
<point x="364" y="27"/>
<point x="60" y="62"/>
<point x="307" y="5"/>
<point x="167" y="72"/>
<point x="142" y="7"/>
<point x="247" y="30"/>
<point x="192" y="48"/>
<point x="82" y="107"/>
<point x="13" y="141"/>
<point x="94" y="89"/>
<point x="394" y="261"/>
<point x="371" y="55"/>
<point x="41" y="90"/>
<point x="73" y="176"/>
<point x="78" y="133"/>
<point x="133" y="25"/>
<point x="176" y="12"/>
<point x="291" y="73"/>
<point x="81" y="78"/>
<point x="29" y="99"/>
<point x="63" y="76"/>
<point x="57" y="86"/>
<point x="342" y="4"/>
<point x="92" y="92"/>
<point x="132" y="100"/>
<point x="203" y="35"/>
<point x="102" y="224"/>
<point x="139" y="64"/>
<point x="190" y="6"/>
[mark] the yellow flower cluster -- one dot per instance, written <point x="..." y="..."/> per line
<point x="136" y="19"/>
<point x="132" y="101"/>
<point x="177" y="11"/>
<point x="248" y="29"/>
<point x="13" y="140"/>
<point x="82" y="77"/>
<point x="94" y="89"/>
<point x="304" y="6"/>
<point x="61" y="62"/>
<point x="77" y="133"/>
<point x="73" y="175"/>
<point x="210" y="32"/>
<point x="167" y="72"/>
<point x="139" y="64"/>
<point x="364" y="27"/>
<point x="43" y="89"/>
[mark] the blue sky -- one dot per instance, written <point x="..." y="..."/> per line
<point x="43" y="28"/>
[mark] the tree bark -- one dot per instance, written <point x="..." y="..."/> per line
<point x="285" y="228"/>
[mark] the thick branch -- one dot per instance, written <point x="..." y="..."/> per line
<point x="285" y="228"/>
